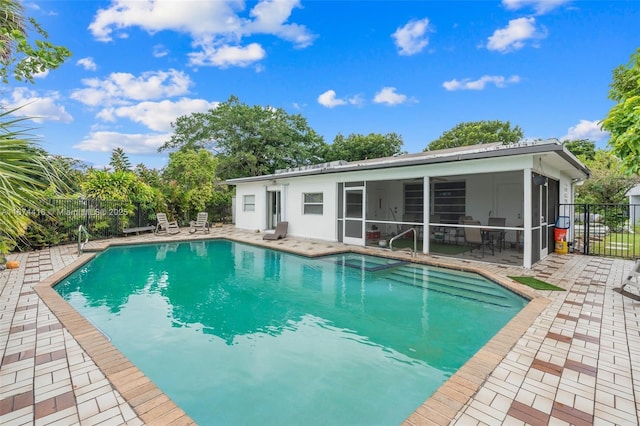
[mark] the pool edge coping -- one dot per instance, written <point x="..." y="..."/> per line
<point x="151" y="404"/>
<point x="148" y="401"/>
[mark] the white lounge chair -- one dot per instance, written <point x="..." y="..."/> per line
<point x="164" y="226"/>
<point x="634" y="277"/>
<point x="280" y="232"/>
<point x="200" y="224"/>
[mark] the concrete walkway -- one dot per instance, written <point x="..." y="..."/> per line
<point x="570" y="357"/>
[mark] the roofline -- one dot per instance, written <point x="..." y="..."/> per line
<point x="494" y="151"/>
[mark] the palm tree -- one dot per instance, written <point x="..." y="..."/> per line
<point x="25" y="171"/>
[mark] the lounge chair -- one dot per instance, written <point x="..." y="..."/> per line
<point x="164" y="226"/>
<point x="280" y="232"/>
<point x="634" y="277"/>
<point x="200" y="224"/>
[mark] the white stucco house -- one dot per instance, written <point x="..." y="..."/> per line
<point x="364" y="201"/>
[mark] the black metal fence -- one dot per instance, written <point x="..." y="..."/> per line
<point x="604" y="229"/>
<point x="57" y="220"/>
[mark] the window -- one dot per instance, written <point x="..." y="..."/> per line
<point x="413" y="202"/>
<point x="449" y="200"/>
<point x="313" y="203"/>
<point x="249" y="203"/>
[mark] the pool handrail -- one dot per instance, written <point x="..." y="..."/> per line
<point x="81" y="244"/>
<point x="415" y="240"/>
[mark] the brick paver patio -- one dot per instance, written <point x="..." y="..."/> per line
<point x="569" y="357"/>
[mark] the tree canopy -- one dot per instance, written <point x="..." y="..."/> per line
<point x="18" y="57"/>
<point x="623" y="120"/>
<point x="477" y="132"/>
<point x="119" y="160"/>
<point x="584" y="149"/>
<point x="608" y="184"/>
<point x="363" y="147"/>
<point x="192" y="184"/>
<point x="249" y="140"/>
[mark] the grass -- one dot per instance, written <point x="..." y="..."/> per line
<point x="536" y="283"/>
<point x="617" y="244"/>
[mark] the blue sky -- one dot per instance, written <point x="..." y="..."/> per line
<point x="416" y="68"/>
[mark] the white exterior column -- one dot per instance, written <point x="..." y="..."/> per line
<point x="527" y="212"/>
<point x="426" y="215"/>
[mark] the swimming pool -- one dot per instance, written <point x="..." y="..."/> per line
<point x="238" y="334"/>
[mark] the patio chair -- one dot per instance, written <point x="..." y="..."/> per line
<point x="459" y="232"/>
<point x="200" y="224"/>
<point x="501" y="222"/>
<point x="164" y="226"/>
<point x="475" y="237"/>
<point x="280" y="232"/>
<point x="634" y="277"/>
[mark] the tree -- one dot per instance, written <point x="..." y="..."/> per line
<point x="118" y="185"/>
<point x="584" y="149"/>
<point x="623" y="120"/>
<point x="477" y="132"/>
<point x="249" y="140"/>
<point x="192" y="184"/>
<point x="119" y="160"/>
<point x="25" y="173"/>
<point x="24" y="169"/>
<point x="151" y="177"/>
<point x="608" y="184"/>
<point x="18" y="57"/>
<point x="360" y="147"/>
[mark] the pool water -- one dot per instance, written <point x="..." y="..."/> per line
<point x="238" y="334"/>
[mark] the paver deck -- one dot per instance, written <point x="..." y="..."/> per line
<point x="569" y="357"/>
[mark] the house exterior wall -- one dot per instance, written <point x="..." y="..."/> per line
<point x="314" y="226"/>
<point x="487" y="182"/>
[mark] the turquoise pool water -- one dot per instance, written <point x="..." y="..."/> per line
<point x="237" y="334"/>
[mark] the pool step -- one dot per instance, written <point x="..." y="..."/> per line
<point x="462" y="286"/>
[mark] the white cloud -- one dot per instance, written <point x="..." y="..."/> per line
<point x="119" y="88"/>
<point x="411" y="38"/>
<point x="131" y="143"/>
<point x="36" y="107"/>
<point x="270" y="17"/>
<point x="87" y="63"/>
<point x="225" y="56"/>
<point x="159" y="51"/>
<point x="586" y="129"/>
<point x="388" y="95"/>
<point x="157" y="116"/>
<point x="540" y="6"/>
<point x="212" y="25"/>
<point x="514" y="36"/>
<point x="329" y="99"/>
<point x="479" y="84"/>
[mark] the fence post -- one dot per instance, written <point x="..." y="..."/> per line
<point x="587" y="223"/>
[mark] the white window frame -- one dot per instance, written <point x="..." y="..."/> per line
<point x="312" y="204"/>
<point x="249" y="203"/>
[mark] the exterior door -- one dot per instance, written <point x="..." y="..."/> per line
<point x="274" y="208"/>
<point x="353" y="230"/>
